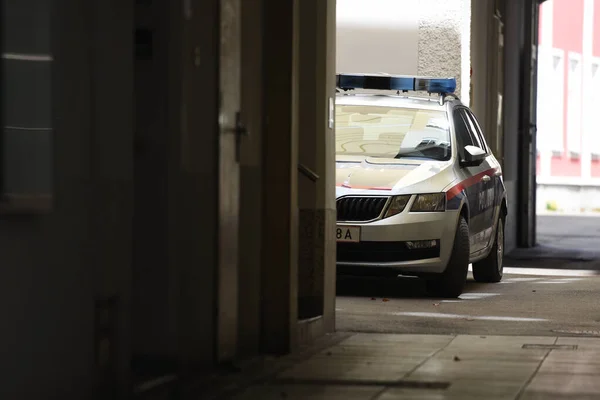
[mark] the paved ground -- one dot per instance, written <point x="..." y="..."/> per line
<point x="535" y="335"/>
<point x="462" y="367"/>
<point x="565" y="242"/>
<point x="569" y="231"/>
<point x="541" y="304"/>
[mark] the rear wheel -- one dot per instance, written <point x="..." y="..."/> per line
<point x="491" y="268"/>
<point x="451" y="282"/>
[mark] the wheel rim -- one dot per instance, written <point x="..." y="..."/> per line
<point x="500" y="246"/>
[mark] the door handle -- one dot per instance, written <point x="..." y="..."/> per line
<point x="239" y="130"/>
<point x="486" y="178"/>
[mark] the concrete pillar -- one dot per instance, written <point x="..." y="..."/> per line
<point x="513" y="46"/>
<point x="251" y="180"/>
<point x="299" y="207"/>
<point x="280" y="176"/>
<point x="316" y="194"/>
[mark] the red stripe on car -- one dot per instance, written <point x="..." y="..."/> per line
<point x="364" y="187"/>
<point x="459" y="187"/>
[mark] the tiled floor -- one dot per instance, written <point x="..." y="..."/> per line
<point x="389" y="366"/>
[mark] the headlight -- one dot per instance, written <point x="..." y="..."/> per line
<point x="396" y="205"/>
<point x="429" y="202"/>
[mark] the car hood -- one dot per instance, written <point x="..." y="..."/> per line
<point x="395" y="176"/>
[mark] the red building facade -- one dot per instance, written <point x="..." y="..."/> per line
<point x="568" y="139"/>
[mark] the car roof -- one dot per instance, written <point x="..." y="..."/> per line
<point x="384" y="100"/>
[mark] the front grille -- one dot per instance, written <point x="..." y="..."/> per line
<point x="360" y="208"/>
<point x="382" y="252"/>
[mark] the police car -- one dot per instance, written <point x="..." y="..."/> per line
<point x="418" y="190"/>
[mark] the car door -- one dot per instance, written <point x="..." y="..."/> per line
<point x="490" y="200"/>
<point x="474" y="179"/>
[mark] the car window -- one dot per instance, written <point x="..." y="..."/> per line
<point x="392" y="132"/>
<point x="463" y="134"/>
<point x="477" y="130"/>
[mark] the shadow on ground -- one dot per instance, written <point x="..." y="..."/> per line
<point x="397" y="288"/>
<point x="555" y="257"/>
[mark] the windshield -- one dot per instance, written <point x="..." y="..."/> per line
<point x="392" y="132"/>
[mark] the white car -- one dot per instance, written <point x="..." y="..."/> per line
<point x="419" y="193"/>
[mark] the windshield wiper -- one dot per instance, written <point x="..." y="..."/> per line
<point x="420" y="151"/>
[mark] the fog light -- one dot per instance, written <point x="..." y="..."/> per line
<point x="422" y="244"/>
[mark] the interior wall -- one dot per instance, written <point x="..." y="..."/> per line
<point x="61" y="268"/>
<point x="47" y="284"/>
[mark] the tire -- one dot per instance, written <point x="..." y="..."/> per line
<point x="491" y="268"/>
<point x="451" y="282"/>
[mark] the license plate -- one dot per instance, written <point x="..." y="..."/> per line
<point x="348" y="234"/>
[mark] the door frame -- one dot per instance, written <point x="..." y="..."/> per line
<point x="526" y="229"/>
<point x="230" y="132"/>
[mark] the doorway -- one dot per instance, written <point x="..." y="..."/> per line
<point x="568" y="149"/>
<point x="186" y="187"/>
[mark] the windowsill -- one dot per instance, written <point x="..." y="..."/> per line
<point x="567" y="181"/>
<point x="25" y="204"/>
<point x="574" y="155"/>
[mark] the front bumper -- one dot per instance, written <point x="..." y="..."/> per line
<point x="383" y="243"/>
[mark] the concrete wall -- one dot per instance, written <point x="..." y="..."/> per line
<point x="425" y="37"/>
<point x="567" y="197"/>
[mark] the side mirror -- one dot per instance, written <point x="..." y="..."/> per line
<point x="473" y="156"/>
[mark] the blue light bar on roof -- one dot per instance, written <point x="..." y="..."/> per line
<point x="396" y="82"/>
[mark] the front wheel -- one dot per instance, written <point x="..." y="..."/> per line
<point x="491" y="268"/>
<point x="451" y="282"/>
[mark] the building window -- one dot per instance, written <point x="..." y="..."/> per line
<point x="592" y="117"/>
<point x="25" y="106"/>
<point x="545" y="99"/>
<point x="574" y="103"/>
<point x="550" y="100"/>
